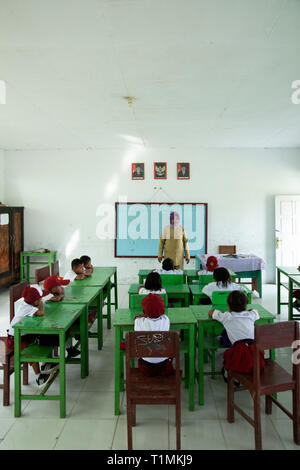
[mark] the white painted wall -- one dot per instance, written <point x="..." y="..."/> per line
<point x="2" y="196"/>
<point x="61" y="191"/>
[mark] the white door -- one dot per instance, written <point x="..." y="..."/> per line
<point x="287" y="225"/>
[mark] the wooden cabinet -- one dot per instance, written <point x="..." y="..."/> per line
<point x="11" y="243"/>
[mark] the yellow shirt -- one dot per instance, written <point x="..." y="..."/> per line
<point x="174" y="243"/>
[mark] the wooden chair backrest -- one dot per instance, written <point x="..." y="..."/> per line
<point x="55" y="268"/>
<point x="275" y="336"/>
<point x="136" y="301"/>
<point x="152" y="344"/>
<point x="171" y="279"/>
<point x="15" y="293"/>
<point x="227" y="249"/>
<point x="41" y="274"/>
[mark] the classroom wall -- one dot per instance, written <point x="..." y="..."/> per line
<point x="2" y="176"/>
<point x="62" y="190"/>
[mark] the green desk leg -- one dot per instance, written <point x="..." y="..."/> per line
<point x="84" y="363"/>
<point x="116" y="290"/>
<point x="191" y="367"/>
<point x="62" y="374"/>
<point x="109" y="305"/>
<point x="200" y="365"/>
<point x="140" y="279"/>
<point x="117" y="370"/>
<point x="28" y="268"/>
<point x="186" y="300"/>
<point x="259" y="282"/>
<point x="278" y="292"/>
<point x="17" y="367"/>
<point x="290" y="299"/>
<point x="21" y="268"/>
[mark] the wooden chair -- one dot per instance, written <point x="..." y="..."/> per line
<point x="141" y="389"/>
<point x="6" y="353"/>
<point x="41" y="274"/>
<point x="55" y="268"/>
<point x="271" y="380"/>
<point x="227" y="249"/>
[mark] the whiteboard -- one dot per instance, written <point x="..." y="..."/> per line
<point x="139" y="226"/>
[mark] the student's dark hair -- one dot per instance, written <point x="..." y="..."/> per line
<point x="153" y="281"/>
<point x="222" y="277"/>
<point x="237" y="301"/>
<point x="168" y="264"/>
<point x="76" y="262"/>
<point x="85" y="259"/>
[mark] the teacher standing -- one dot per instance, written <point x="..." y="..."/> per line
<point x="174" y="242"/>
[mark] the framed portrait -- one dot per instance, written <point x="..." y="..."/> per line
<point x="137" y="171"/>
<point x="160" y="170"/>
<point x="183" y="171"/>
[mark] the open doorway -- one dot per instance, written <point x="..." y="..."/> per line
<point x="287" y="225"/>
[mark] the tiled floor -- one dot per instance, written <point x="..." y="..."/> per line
<point x="91" y="424"/>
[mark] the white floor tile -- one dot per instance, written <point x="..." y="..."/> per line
<point x="32" y="434"/>
<point x="75" y="436"/>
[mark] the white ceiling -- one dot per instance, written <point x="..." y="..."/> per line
<point x="203" y="73"/>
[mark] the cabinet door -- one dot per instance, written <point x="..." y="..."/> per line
<point x="17" y="235"/>
<point x="5" y="244"/>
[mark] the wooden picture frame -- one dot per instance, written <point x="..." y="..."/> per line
<point x="137" y="171"/>
<point x="183" y="171"/>
<point x="160" y="170"/>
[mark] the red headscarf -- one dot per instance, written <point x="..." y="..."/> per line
<point x="212" y="263"/>
<point x="54" y="281"/>
<point x="153" y="306"/>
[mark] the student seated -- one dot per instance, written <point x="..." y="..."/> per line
<point x="153" y="319"/>
<point x="31" y="305"/>
<point x="54" y="285"/>
<point x="222" y="282"/>
<point x="87" y="264"/>
<point x="77" y="273"/>
<point x="168" y="268"/>
<point x="152" y="285"/>
<point x="238" y="334"/>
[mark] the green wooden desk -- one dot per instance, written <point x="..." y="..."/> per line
<point x="57" y="319"/>
<point x="101" y="277"/>
<point x="25" y="262"/>
<point x="196" y="293"/>
<point x="180" y="291"/>
<point x="180" y="319"/>
<point x="285" y="271"/>
<point x="76" y="295"/>
<point x="203" y="320"/>
<point x="294" y="282"/>
<point x="190" y="275"/>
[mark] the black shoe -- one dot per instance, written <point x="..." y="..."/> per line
<point x="43" y="379"/>
<point x="73" y="352"/>
<point x="236" y="383"/>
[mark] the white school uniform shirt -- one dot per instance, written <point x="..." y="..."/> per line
<point x="144" y="291"/>
<point x="212" y="287"/>
<point x="161" y="323"/>
<point x="70" y="276"/>
<point x="171" y="271"/>
<point x="22" y="309"/>
<point x="238" y="325"/>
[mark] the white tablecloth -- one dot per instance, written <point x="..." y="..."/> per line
<point x="242" y="263"/>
